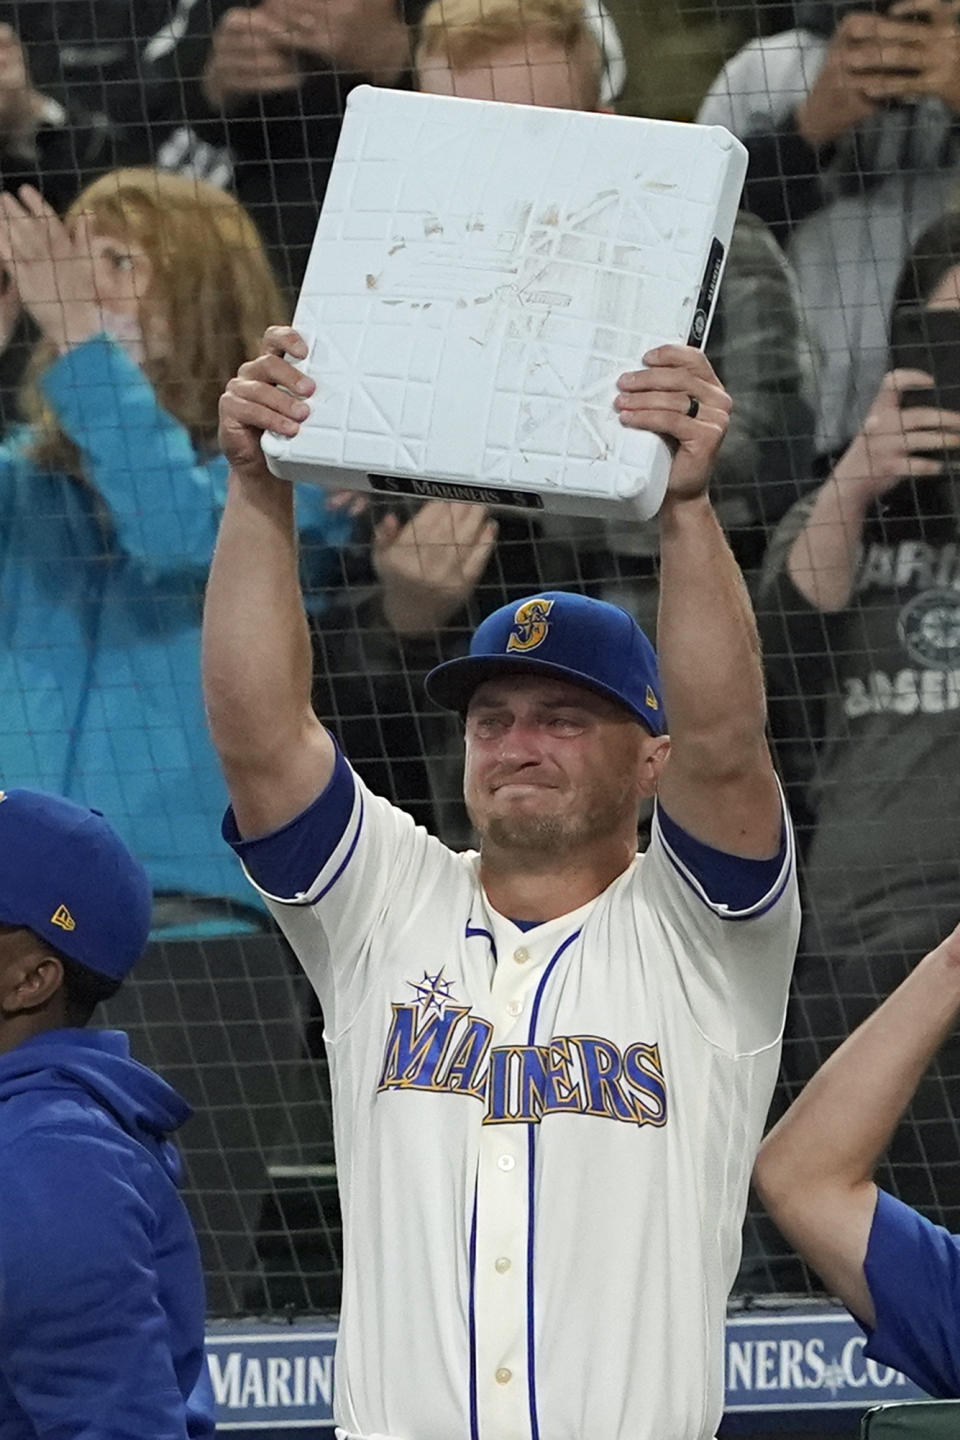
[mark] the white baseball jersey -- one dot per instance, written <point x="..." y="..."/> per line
<point x="544" y="1137"/>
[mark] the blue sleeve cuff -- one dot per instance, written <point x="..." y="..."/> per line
<point x="728" y="881"/>
<point x="286" y="862"/>
<point x="912" y="1268"/>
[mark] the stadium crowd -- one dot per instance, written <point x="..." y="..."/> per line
<point x="160" y="193"/>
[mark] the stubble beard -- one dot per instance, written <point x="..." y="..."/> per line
<point x="548" y="838"/>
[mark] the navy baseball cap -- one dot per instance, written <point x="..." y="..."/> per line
<point x="570" y="637"/>
<point x="66" y="875"/>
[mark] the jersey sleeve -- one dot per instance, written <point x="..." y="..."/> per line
<point x="339" y="875"/>
<point x="730" y="926"/>
<point x="84" y="1338"/>
<point x="912" y="1268"/>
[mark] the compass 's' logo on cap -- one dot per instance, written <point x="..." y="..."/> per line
<point x="530" y="625"/>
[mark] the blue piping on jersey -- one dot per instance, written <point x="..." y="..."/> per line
<point x="531" y="1188"/>
<point x="752" y="912"/>
<point x="287" y="863"/>
<point x="472" y="1321"/>
<point x="535" y="1012"/>
<point x="732" y="881"/>
<point x="531" y="1339"/>
<point x="472" y="931"/>
<point x="345" y="861"/>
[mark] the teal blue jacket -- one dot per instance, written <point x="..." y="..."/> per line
<point x="101" y="588"/>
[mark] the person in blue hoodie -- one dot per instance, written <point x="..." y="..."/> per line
<point x="101" y="1287"/>
<point x="149" y="295"/>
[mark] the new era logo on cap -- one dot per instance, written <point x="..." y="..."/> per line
<point x="66" y="875"/>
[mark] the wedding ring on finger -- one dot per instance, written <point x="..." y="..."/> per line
<point x="693" y="409"/>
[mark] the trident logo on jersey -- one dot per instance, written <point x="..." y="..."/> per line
<point x="439" y="1045"/>
<point x="530" y="625"/>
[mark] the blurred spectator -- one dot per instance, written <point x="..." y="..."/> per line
<point x="860" y="613"/>
<point x="45" y="136"/>
<point x="541" y="52"/>
<point x="107" y="84"/>
<point x="85" y="88"/>
<point x="851" y="124"/>
<point x="148" y="298"/>
<point x="279" y="73"/>
<point x="249" y="96"/>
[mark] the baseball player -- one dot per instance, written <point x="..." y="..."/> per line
<point x="551" y="1059"/>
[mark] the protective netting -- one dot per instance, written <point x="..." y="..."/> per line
<point x="850" y="120"/>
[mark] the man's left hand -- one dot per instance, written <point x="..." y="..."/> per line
<point x="680" y="398"/>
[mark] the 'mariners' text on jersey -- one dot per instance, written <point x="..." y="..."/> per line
<point x="448" y="1051"/>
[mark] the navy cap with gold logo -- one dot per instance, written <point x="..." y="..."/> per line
<point x="66" y="875"/>
<point x="570" y="637"/>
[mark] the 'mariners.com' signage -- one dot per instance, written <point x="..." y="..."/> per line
<point x="805" y="1361"/>
<point x="277" y="1377"/>
<point x="267" y="1377"/>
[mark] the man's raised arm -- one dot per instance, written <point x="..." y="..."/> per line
<point x="815" y="1169"/>
<point x="276" y="756"/>
<point x="718" y="781"/>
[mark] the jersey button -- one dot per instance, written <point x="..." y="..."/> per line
<point x="501" y="1265"/>
<point x="503" y="1376"/>
<point x="506" y="1162"/>
<point x="514" y="1007"/>
<point x="521" y="955"/>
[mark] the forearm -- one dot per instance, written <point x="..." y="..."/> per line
<point x="707" y="639"/>
<point x="823" y="560"/>
<point x="256" y="644"/>
<point x="841" y="1125"/>
<point x="163" y="502"/>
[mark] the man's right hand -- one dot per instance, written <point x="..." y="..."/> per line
<point x="894" y="443"/>
<point x="366" y="36"/>
<point x="430" y="567"/>
<point x="250" y="54"/>
<point x="872" y="58"/>
<point x="256" y="400"/>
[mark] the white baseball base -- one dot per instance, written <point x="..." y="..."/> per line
<point x="480" y="276"/>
